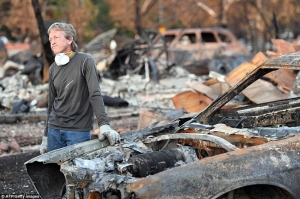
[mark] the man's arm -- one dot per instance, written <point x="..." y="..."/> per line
<point x="96" y="100"/>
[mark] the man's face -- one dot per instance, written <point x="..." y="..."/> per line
<point x="59" y="44"/>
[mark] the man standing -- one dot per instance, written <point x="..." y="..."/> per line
<point x="74" y="94"/>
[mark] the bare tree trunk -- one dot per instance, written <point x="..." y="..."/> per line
<point x="276" y="27"/>
<point x="138" y="20"/>
<point x="48" y="56"/>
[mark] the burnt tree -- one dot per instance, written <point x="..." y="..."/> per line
<point x="48" y="56"/>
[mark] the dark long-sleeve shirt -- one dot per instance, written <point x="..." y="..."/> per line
<point x="75" y="95"/>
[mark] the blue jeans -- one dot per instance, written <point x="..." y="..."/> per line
<point x="61" y="138"/>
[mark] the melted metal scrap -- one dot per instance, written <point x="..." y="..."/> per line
<point x="271" y="133"/>
<point x="95" y="166"/>
<point x="71" y="152"/>
<point x="113" y="171"/>
<point x="278" y="133"/>
<point x="215" y="139"/>
<point x="92" y="180"/>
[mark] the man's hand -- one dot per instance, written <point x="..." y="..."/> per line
<point x="106" y="132"/>
<point x="44" y="145"/>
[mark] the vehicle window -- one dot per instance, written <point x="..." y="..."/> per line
<point x="188" y="38"/>
<point x="208" y="37"/>
<point x="169" y="38"/>
<point x="224" y="38"/>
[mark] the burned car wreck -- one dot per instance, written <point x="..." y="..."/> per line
<point x="245" y="152"/>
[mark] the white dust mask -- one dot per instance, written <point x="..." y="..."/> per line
<point x="61" y="59"/>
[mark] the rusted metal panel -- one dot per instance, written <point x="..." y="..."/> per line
<point x="282" y="78"/>
<point x="259" y="59"/>
<point x="190" y="101"/>
<point x="289" y="61"/>
<point x="282" y="46"/>
<point x="262" y="91"/>
<point x="239" y="73"/>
